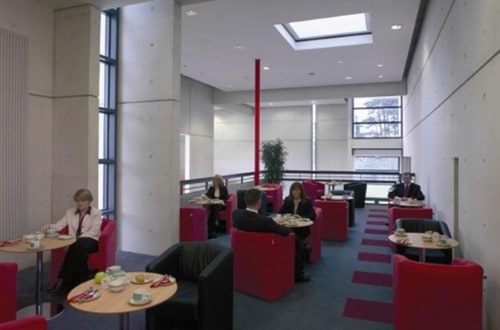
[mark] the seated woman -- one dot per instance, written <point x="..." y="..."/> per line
<point x="219" y="191"/>
<point x="84" y="222"/>
<point x="299" y="204"/>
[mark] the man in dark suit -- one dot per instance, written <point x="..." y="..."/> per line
<point x="250" y="220"/>
<point x="406" y="189"/>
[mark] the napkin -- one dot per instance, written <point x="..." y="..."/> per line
<point x="8" y="242"/>
<point x="83" y="295"/>
<point x="5" y="243"/>
<point x="162" y="280"/>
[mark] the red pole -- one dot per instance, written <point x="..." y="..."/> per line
<point x="256" y="176"/>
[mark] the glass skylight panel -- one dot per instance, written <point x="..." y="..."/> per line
<point x="346" y="30"/>
<point x="329" y="27"/>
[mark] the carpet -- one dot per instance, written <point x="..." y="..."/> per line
<point x="376" y="242"/>
<point x="384" y="210"/>
<point x="368" y="310"/>
<point x="374" y="257"/>
<point x="376" y="231"/>
<point x="376" y="222"/>
<point x="372" y="278"/>
<point x="377" y="216"/>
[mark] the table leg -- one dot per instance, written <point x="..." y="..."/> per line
<point x="123" y="321"/>
<point x="39" y="283"/>
<point x="422" y="255"/>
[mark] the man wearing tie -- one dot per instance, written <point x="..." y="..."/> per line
<point x="406" y="189"/>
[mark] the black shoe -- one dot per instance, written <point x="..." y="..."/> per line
<point x="58" y="288"/>
<point x="308" y="248"/>
<point x="302" y="278"/>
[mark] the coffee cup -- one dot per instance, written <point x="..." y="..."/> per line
<point x="114" y="270"/>
<point x="400" y="231"/>
<point x="50" y="232"/>
<point x="38" y="235"/>
<point x="140" y="295"/>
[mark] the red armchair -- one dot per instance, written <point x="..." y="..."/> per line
<point x="100" y="260"/>
<point x="228" y="212"/>
<point x="263" y="263"/>
<point x="315" y="236"/>
<point x="193" y="224"/>
<point x="433" y="296"/>
<point x="314" y="189"/>
<point x="335" y="224"/>
<point x="274" y="195"/>
<point x="8" y="303"/>
<point x="396" y="213"/>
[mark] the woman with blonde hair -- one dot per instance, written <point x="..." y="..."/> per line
<point x="217" y="190"/>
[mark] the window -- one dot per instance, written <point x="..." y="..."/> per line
<point x="327" y="32"/>
<point x="376" y="117"/>
<point x="107" y="111"/>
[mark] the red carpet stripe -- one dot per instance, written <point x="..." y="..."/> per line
<point x="374" y="257"/>
<point x="372" y="278"/>
<point x="376" y="242"/>
<point x="368" y="310"/>
<point x="377" y="216"/>
<point x="376" y="231"/>
<point x="375" y="222"/>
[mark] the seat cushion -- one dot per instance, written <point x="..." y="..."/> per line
<point x="194" y="258"/>
<point x="183" y="305"/>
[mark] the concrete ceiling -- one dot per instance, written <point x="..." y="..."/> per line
<point x="209" y="39"/>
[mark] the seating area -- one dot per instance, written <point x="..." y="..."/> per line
<point x="407" y="212"/>
<point x="314" y="189"/>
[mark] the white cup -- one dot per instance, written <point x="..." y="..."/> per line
<point x="50" y="231"/>
<point x="140" y="294"/>
<point x="114" y="270"/>
<point x="400" y="231"/>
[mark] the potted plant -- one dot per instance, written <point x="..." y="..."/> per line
<point x="274" y="155"/>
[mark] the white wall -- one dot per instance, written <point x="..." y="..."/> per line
<point x="452" y="113"/>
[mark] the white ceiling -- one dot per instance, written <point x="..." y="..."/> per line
<point x="210" y="37"/>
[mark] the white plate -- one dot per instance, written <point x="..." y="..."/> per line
<point x="443" y="244"/>
<point x="146" y="280"/>
<point x="64" y="236"/>
<point x="131" y="301"/>
<point x="51" y="235"/>
<point x="400" y="235"/>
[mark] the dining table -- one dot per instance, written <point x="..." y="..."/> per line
<point x="410" y="203"/>
<point x="293" y="222"/>
<point x="204" y="201"/>
<point x="47" y="243"/>
<point x="105" y="301"/>
<point x="416" y="240"/>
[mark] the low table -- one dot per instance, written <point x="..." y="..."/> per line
<point x="415" y="240"/>
<point x="117" y="302"/>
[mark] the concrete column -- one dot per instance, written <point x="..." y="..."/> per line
<point x="148" y="126"/>
<point x="76" y="108"/>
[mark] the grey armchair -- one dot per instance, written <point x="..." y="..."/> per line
<point x="204" y="298"/>
<point x="444" y="256"/>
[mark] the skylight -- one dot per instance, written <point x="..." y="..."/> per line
<point x="328" y="32"/>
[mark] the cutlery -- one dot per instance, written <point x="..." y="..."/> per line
<point x="158" y="281"/>
<point x="87" y="296"/>
<point x="80" y="295"/>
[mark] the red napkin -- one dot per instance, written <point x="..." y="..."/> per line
<point x="9" y="242"/>
<point x="162" y="280"/>
<point x="81" y="296"/>
<point x="5" y="243"/>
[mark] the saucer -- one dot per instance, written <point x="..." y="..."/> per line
<point x="51" y="235"/>
<point x="443" y="244"/>
<point x="64" y="236"/>
<point x="131" y="301"/>
<point x="400" y="235"/>
<point x="38" y="248"/>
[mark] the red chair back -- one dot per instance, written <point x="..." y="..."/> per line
<point x="396" y="213"/>
<point x="314" y="189"/>
<point x="274" y="195"/>
<point x="8" y="287"/>
<point x="193" y="224"/>
<point x="335" y="224"/>
<point x="436" y="296"/>
<point x="37" y="322"/>
<point x="228" y="212"/>
<point x="257" y="271"/>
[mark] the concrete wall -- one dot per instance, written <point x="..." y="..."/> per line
<point x="451" y="129"/>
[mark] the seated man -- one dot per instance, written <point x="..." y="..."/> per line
<point x="406" y="189"/>
<point x="250" y="220"/>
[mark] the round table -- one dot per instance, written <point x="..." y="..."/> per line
<point x="300" y="223"/>
<point x="415" y="240"/>
<point x="118" y="302"/>
<point x="47" y="244"/>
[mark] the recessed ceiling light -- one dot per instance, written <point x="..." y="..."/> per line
<point x="238" y="47"/>
<point x="348" y="78"/>
<point x="271" y="104"/>
<point x="266" y="68"/>
<point x="380" y="76"/>
<point x="380" y="65"/>
<point x="341" y="62"/>
<point x="191" y="13"/>
<point x="397" y="26"/>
